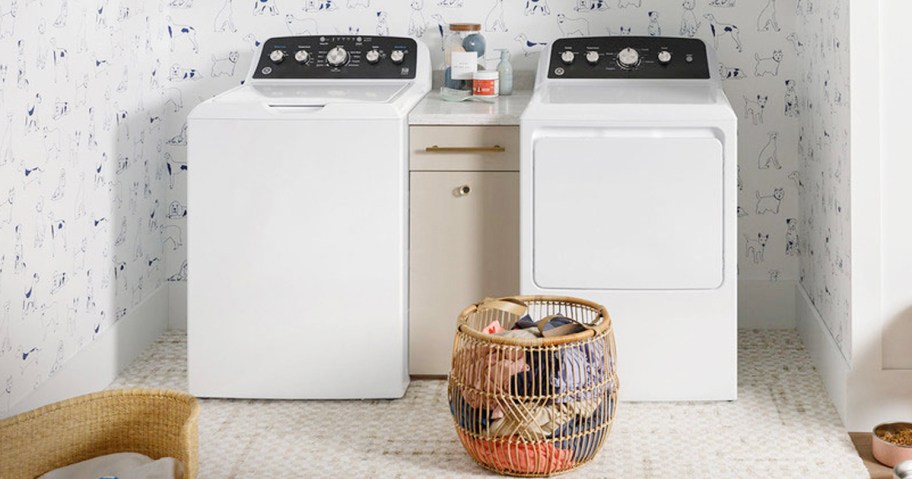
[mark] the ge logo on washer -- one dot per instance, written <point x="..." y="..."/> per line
<point x="267" y="70"/>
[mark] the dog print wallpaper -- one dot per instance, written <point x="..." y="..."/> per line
<point x="94" y="98"/>
<point x="213" y="44"/>
<point x="82" y="182"/>
<point x="823" y="236"/>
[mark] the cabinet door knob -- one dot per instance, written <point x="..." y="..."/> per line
<point x="463" y="190"/>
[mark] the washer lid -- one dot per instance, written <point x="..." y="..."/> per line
<point x="326" y="93"/>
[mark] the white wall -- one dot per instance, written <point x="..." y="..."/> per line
<point x="216" y="54"/>
<point x="81" y="182"/>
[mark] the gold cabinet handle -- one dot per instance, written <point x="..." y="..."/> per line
<point x="465" y="149"/>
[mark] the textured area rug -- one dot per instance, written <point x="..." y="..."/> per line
<point x="782" y="426"/>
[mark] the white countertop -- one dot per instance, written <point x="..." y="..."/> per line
<point x="506" y="110"/>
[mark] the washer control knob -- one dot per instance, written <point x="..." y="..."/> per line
<point x="568" y="57"/>
<point x="592" y="57"/>
<point x="397" y="56"/>
<point x="664" y="57"/>
<point x="372" y="56"/>
<point x="302" y="56"/>
<point x="628" y="58"/>
<point x="337" y="57"/>
<point x="277" y="56"/>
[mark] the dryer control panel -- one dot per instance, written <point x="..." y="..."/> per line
<point x="629" y="57"/>
<point x="337" y="57"/>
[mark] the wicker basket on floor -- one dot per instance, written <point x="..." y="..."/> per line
<point x="539" y="406"/>
<point x="157" y="423"/>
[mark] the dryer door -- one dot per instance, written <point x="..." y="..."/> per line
<point x="628" y="212"/>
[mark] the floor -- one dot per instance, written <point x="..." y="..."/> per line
<point x="862" y="441"/>
<point x="782" y="426"/>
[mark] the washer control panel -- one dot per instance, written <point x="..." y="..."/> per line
<point x="337" y="57"/>
<point x="629" y="57"/>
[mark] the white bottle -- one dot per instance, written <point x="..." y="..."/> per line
<point x="505" y="69"/>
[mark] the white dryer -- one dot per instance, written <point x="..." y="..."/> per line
<point x="298" y="225"/>
<point x="629" y="184"/>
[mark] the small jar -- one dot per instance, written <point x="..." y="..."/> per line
<point x="463" y="48"/>
<point x="486" y="84"/>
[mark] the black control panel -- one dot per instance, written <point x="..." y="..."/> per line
<point x="629" y="57"/>
<point x="337" y="57"/>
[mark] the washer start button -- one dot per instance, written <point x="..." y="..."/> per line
<point x="266" y="70"/>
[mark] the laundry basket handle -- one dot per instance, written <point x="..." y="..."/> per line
<point x="507" y="305"/>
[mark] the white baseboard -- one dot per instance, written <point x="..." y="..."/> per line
<point x="177" y="294"/>
<point x="831" y="364"/>
<point x="99" y="363"/>
<point x="766" y="304"/>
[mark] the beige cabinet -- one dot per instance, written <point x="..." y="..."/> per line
<point x="464" y="243"/>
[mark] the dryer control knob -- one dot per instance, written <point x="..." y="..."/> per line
<point x="277" y="56"/>
<point x="337" y="57"/>
<point x="592" y="57"/>
<point x="302" y="56"/>
<point x="628" y="58"/>
<point x="568" y="57"/>
<point x="372" y="56"/>
<point x="397" y="56"/>
<point x="664" y="57"/>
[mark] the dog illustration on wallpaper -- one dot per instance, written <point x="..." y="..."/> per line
<point x="572" y="26"/>
<point x="174" y="168"/>
<point x="180" y="74"/>
<point x="181" y="274"/>
<point x="450" y="3"/>
<point x="442" y="27"/>
<point x="31" y="114"/>
<point x="767" y="19"/>
<point x="768" y="66"/>
<point x="6" y="207"/>
<point x="720" y="30"/>
<point x="120" y="275"/>
<point x="528" y="46"/>
<point x="591" y="5"/>
<point x="769" y="155"/>
<point x="61" y="62"/>
<point x="689" y="24"/>
<point x="494" y="21"/>
<point x="62" y="14"/>
<point x="771" y="203"/>
<point x="722" y="3"/>
<point x="181" y="3"/>
<point x="180" y="139"/>
<point x="262" y="7"/>
<point x="225" y="66"/>
<point x="58" y="236"/>
<point x="182" y="33"/>
<point x="58" y="282"/>
<point x="6" y="143"/>
<point x="755" y="248"/>
<point x="28" y="301"/>
<point x="417" y="24"/>
<point x="8" y="20"/>
<point x="792" y="242"/>
<point x="753" y="109"/>
<point x="654" y="29"/>
<point x="19" y="264"/>
<point x="791" y="99"/>
<point x="796" y="43"/>
<point x="728" y="73"/>
<point x="383" y="28"/>
<point x="320" y="5"/>
<point x="537" y="6"/>
<point x="176" y="210"/>
<point x="301" y="26"/>
<point x="630" y="3"/>
<point x="121" y="233"/>
<point x="5" y="345"/>
<point x="224" y="20"/>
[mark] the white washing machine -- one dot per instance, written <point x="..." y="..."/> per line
<point x="298" y="226"/>
<point x="629" y="199"/>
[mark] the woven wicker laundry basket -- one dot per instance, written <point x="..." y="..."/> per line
<point x="157" y="423"/>
<point x="539" y="406"/>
